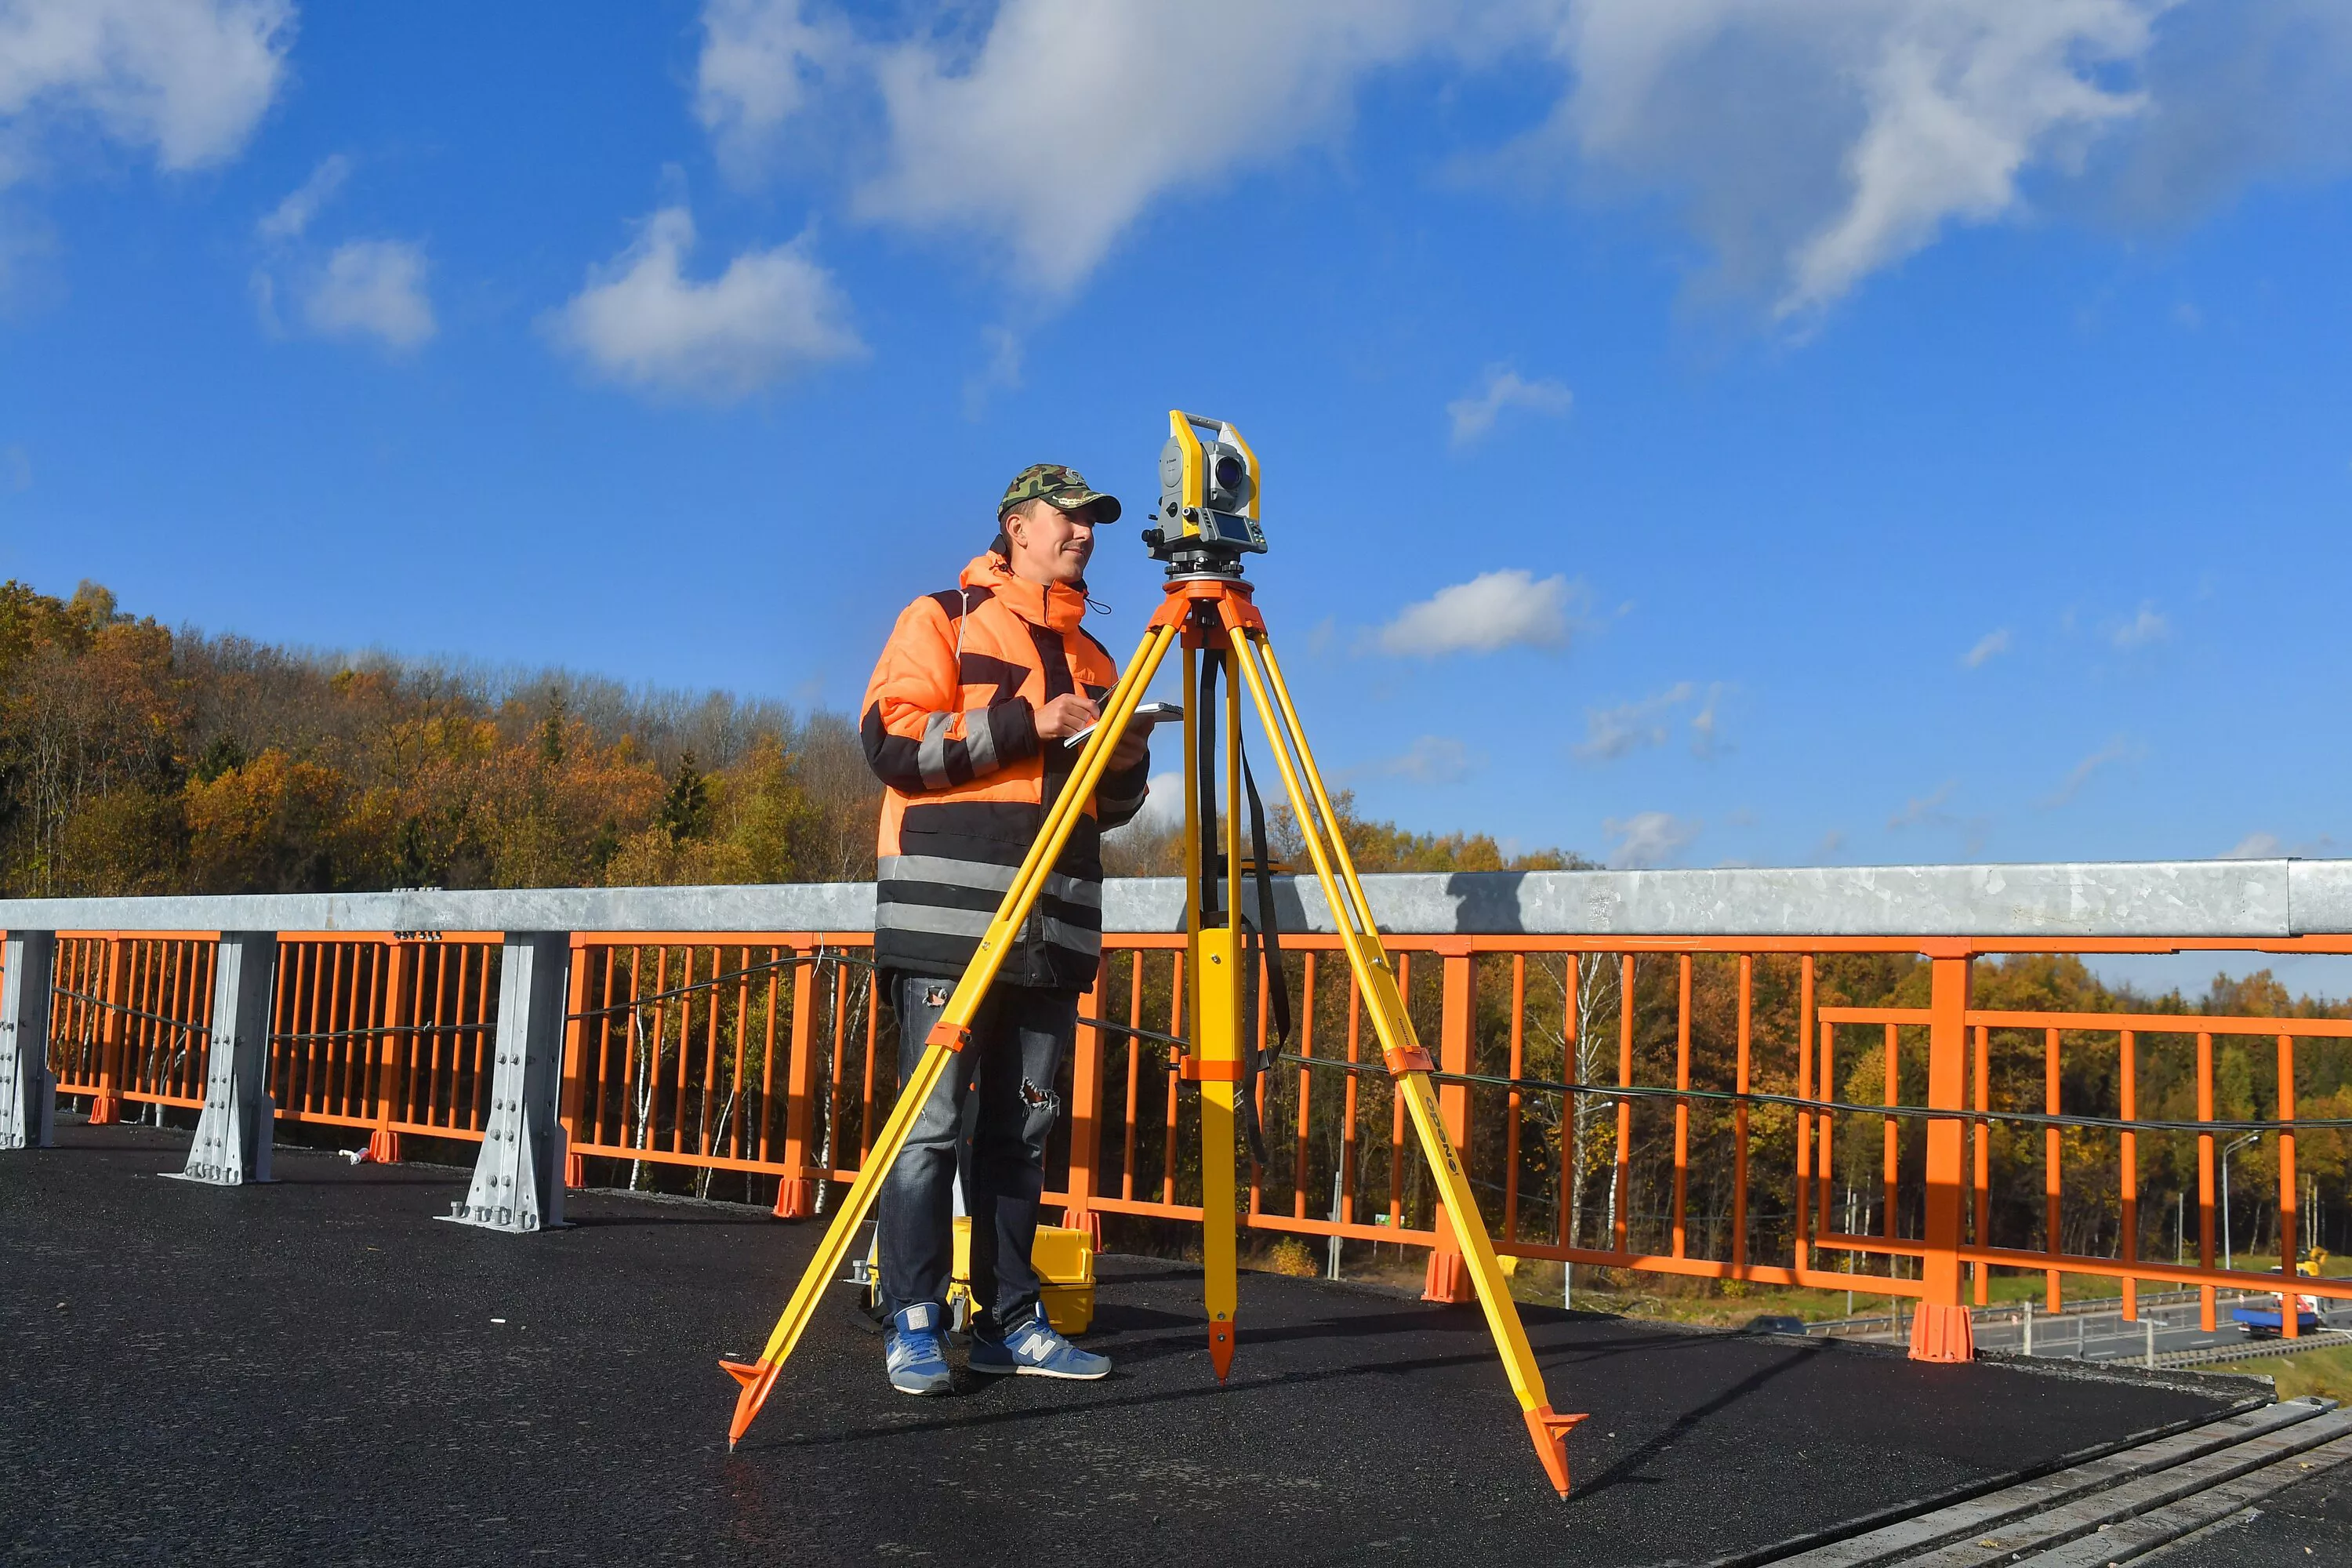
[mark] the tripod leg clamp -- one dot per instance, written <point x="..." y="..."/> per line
<point x="1412" y="1059"/>
<point x="955" y="1037"/>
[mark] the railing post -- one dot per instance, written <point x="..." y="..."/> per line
<point x="233" y="1135"/>
<point x="106" y="1105"/>
<point x="1941" y="1330"/>
<point x="29" y="1092"/>
<point x="1447" y="1279"/>
<point x="575" y="1042"/>
<point x="518" y="1178"/>
<point x="796" y="1195"/>
<point x="392" y="1056"/>
<point x="1086" y="1125"/>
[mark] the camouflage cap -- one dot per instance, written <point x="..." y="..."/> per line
<point x="1065" y="487"/>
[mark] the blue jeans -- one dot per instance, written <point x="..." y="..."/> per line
<point x="990" y="1114"/>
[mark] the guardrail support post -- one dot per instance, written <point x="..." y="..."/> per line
<point x="234" y="1134"/>
<point x="1447" y="1279"/>
<point x="29" y="1092"/>
<point x="796" y="1194"/>
<point x="1941" y="1330"/>
<point x="1085" y="1101"/>
<point x="106" y="1107"/>
<point x="518" y="1178"/>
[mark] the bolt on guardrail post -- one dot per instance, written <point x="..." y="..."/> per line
<point x="518" y="1178"/>
<point x="234" y="1133"/>
<point x="29" y="1092"/>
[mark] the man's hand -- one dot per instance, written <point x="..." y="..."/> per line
<point x="1133" y="748"/>
<point x="1065" y="716"/>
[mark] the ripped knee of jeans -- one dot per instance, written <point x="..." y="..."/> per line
<point x="1042" y="1102"/>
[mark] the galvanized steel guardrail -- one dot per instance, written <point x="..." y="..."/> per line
<point x="734" y="1032"/>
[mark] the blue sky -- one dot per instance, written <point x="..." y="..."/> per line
<point x="1770" y="433"/>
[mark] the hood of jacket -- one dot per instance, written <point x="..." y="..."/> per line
<point x="1057" y="606"/>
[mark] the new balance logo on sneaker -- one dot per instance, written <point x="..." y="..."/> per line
<point x="1034" y="1349"/>
<point x="915" y="1353"/>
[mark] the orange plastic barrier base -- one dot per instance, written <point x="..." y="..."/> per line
<point x="384" y="1148"/>
<point x="1087" y="1220"/>
<point x="105" y="1110"/>
<point x="796" y="1199"/>
<point x="1942" y="1334"/>
<point x="575" y="1170"/>
<point x="1447" y="1280"/>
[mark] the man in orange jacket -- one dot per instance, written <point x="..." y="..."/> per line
<point x="965" y="721"/>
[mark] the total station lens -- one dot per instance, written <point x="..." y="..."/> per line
<point x="1230" y="472"/>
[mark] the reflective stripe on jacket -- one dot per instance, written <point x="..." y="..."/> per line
<point x="950" y="726"/>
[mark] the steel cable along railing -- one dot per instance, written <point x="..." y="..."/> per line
<point x="392" y="1034"/>
<point x="753" y="1057"/>
<point x="1732" y="1110"/>
<point x="131" y="1020"/>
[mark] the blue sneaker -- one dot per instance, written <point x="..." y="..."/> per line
<point x="1034" y="1349"/>
<point x="917" y="1352"/>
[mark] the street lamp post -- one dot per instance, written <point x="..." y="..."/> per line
<point x="2232" y="1147"/>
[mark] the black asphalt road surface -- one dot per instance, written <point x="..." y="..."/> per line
<point x="317" y="1373"/>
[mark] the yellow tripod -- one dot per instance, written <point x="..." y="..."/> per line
<point x="1209" y="518"/>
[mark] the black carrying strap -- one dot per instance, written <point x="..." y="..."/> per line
<point x="1261" y="1057"/>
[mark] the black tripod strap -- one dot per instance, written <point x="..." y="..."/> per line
<point x="1211" y="841"/>
<point x="1260" y="1058"/>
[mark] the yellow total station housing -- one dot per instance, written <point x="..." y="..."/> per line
<point x="1208" y="515"/>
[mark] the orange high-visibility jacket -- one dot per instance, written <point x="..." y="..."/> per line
<point x="949" y="727"/>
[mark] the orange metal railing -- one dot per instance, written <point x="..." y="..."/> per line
<point x="1705" y="1108"/>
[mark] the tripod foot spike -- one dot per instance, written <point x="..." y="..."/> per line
<point x="758" y="1378"/>
<point x="1221" y="1349"/>
<point x="1550" y="1429"/>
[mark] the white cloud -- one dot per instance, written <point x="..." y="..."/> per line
<point x="1614" y="732"/>
<point x="1990" y="646"/>
<point x="1817" y="141"/>
<point x="1706" y="724"/>
<point x="1928" y="810"/>
<point x="291" y="217"/>
<point x="1001" y="373"/>
<point x="1494" y="610"/>
<point x="1163" y="808"/>
<point x="1474" y="414"/>
<point x="1809" y="142"/>
<point x="1649" y="839"/>
<point x="1432" y="760"/>
<point x="1629" y="727"/>
<point x="759" y="59"/>
<point x="370" y="288"/>
<point x="2270" y="847"/>
<point x="2114" y="751"/>
<point x="1053" y="126"/>
<point x="187" y="78"/>
<point x="2147" y="627"/>
<point x="643" y="322"/>
<point x="1924" y="808"/>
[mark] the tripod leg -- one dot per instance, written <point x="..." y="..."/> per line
<point x="1408" y="1064"/>
<point x="949" y="1035"/>
<point x="1217" y="983"/>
